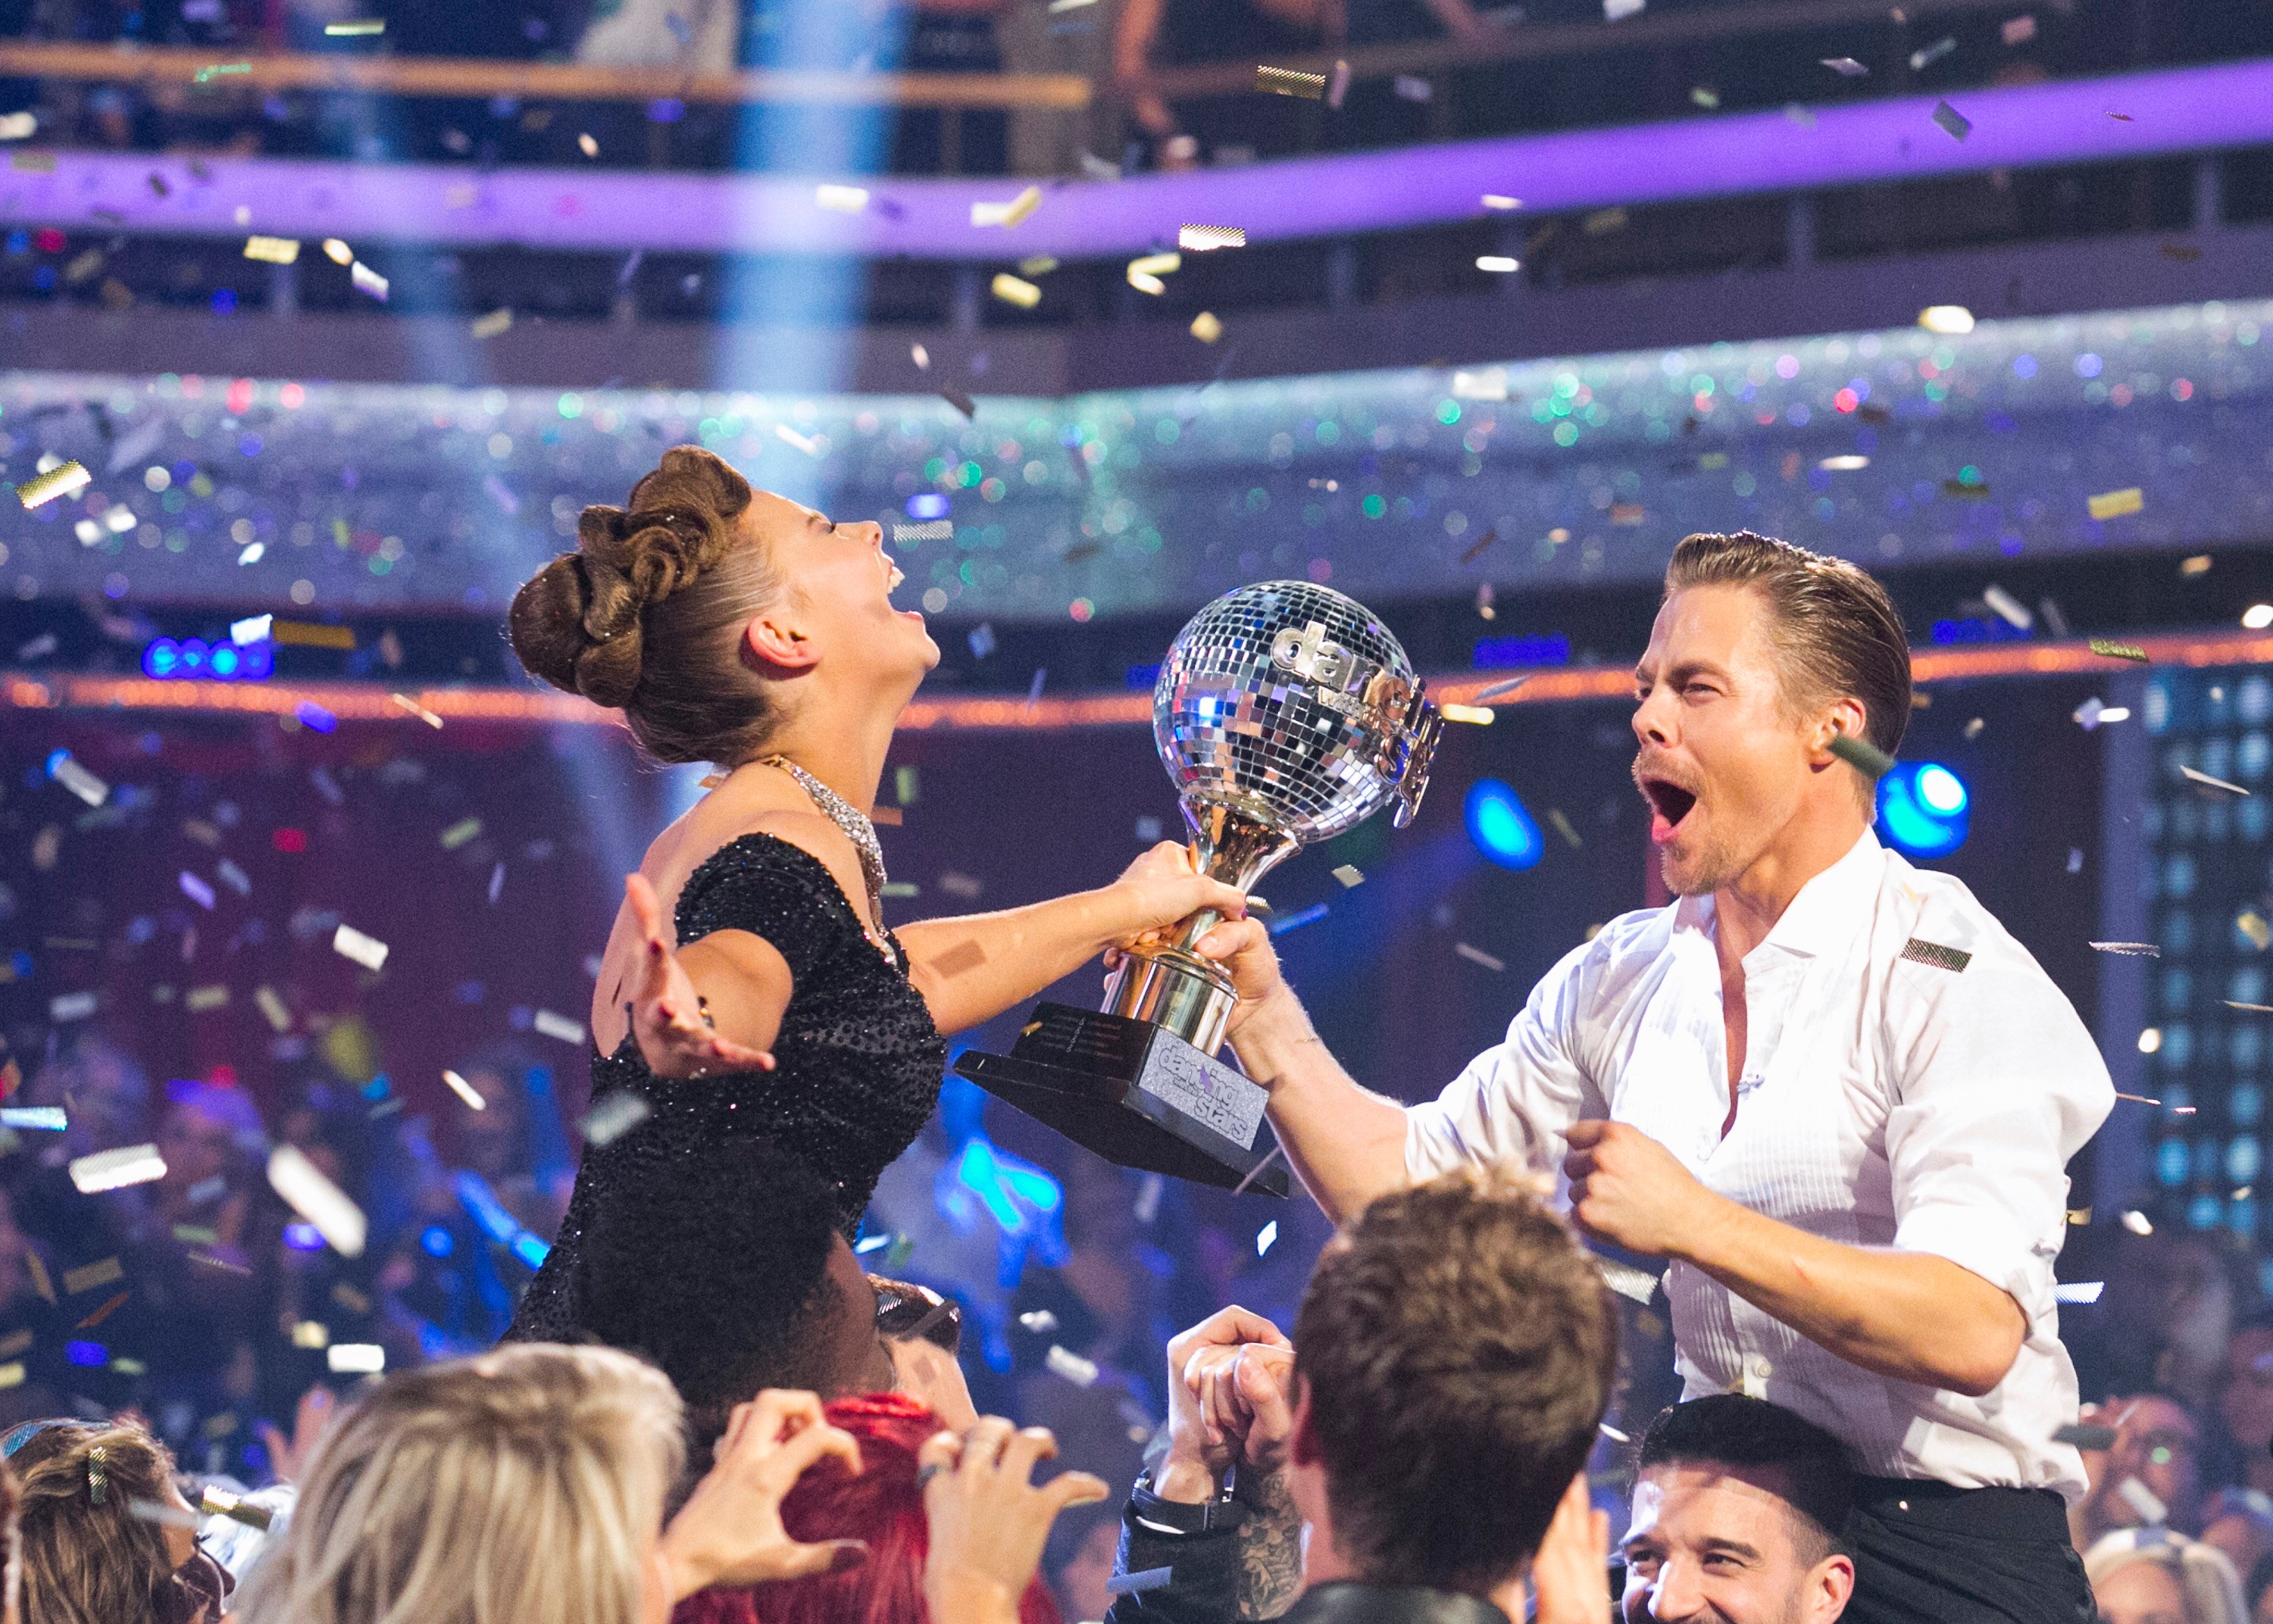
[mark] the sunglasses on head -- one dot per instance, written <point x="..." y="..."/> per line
<point x="905" y="1312"/>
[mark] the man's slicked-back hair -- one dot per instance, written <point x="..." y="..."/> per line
<point x="718" y="1270"/>
<point x="1729" y="1429"/>
<point x="1835" y="629"/>
<point x="1458" y="1351"/>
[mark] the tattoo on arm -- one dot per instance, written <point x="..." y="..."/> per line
<point x="1269" y="1548"/>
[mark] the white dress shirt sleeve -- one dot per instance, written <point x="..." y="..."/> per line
<point x="1515" y="1099"/>
<point x="1998" y="1083"/>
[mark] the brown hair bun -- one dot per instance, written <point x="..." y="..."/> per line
<point x="644" y="616"/>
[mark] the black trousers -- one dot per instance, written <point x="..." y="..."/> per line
<point x="1928" y="1553"/>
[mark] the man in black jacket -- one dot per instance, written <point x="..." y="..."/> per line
<point x="1452" y="1361"/>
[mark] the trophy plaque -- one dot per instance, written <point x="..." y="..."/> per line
<point x="1285" y="714"/>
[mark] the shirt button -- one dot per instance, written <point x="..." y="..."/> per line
<point x="1757" y="1370"/>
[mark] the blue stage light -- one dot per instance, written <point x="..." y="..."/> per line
<point x="190" y="658"/>
<point x="1505" y="831"/>
<point x="1924" y="810"/>
<point x="436" y="1242"/>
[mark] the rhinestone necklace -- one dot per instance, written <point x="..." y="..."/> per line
<point x="856" y="828"/>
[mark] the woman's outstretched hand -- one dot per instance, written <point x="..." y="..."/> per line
<point x="1159" y="891"/>
<point x="676" y="1035"/>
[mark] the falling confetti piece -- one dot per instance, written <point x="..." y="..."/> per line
<point x="368" y="281"/>
<point x="1498" y="200"/>
<point x="170" y="1516"/>
<point x="1350" y="875"/>
<point x="403" y="701"/>
<point x="1207" y="327"/>
<point x="1617" y="11"/>
<point x="1501" y="689"/>
<point x="1927" y="55"/>
<point x="2110" y="650"/>
<point x="1207" y="239"/>
<point x="1864" y="757"/>
<point x="559" y="1026"/>
<point x="613" y="1116"/>
<point x="464" y="1090"/>
<point x="273" y="249"/>
<point x="198" y="1001"/>
<point x="359" y="27"/>
<point x="272" y="1008"/>
<point x="40" y="1118"/>
<point x="843" y="199"/>
<point x="930" y="530"/>
<point x="66" y="1006"/>
<point x="1953" y="319"/>
<point x="1266" y="1238"/>
<point x="1950" y="119"/>
<point x="2116" y="504"/>
<point x="1476" y="549"/>
<point x="1135" y="1583"/>
<point x="1635" y="1284"/>
<point x="2214" y="784"/>
<point x="1705" y="97"/>
<point x="2135" y="950"/>
<point x="88" y="1277"/>
<point x="491" y="325"/>
<point x="2008" y="608"/>
<point x="1288" y="82"/>
<point x="196" y="889"/>
<point x="1071" y="1366"/>
<point x="2137" y="1223"/>
<point x="586" y="145"/>
<point x="2079" y="1291"/>
<point x="73" y="776"/>
<point x="1477" y="955"/>
<point x="1016" y="290"/>
<point x="2143" y="1501"/>
<point x="57" y="481"/>
<point x="2018" y="30"/>
<point x="2260" y="1009"/>
<point x="961" y="401"/>
<point x="321" y="1203"/>
<point x="115" y="1169"/>
<point x="1845" y="67"/>
<point x="367" y="951"/>
<point x="205" y="76"/>
<point x="1612" y="1433"/>
<point x="1010" y="214"/>
<point x="809" y="446"/>
<point x="2253" y="926"/>
<point x="356" y="1359"/>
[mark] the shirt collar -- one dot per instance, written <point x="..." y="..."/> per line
<point x="1346" y="1602"/>
<point x="1831" y="907"/>
<point x="1828" y="911"/>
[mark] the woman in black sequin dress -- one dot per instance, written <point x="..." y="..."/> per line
<point x="749" y="985"/>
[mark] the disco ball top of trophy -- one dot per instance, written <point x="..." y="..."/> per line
<point x="1235" y="727"/>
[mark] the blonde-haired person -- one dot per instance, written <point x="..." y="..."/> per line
<point x="528" y="1484"/>
<point x="104" y="1535"/>
<point x="749" y="984"/>
<point x="2152" y="1575"/>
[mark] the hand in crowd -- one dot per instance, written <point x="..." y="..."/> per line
<point x="729" y="1531"/>
<point x="288" y="1458"/>
<point x="1628" y="1189"/>
<point x="675" y="1040"/>
<point x="1570" y="1577"/>
<point x="1229" y="1403"/>
<point x="988" y="1520"/>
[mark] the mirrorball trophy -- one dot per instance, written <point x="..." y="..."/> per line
<point x="1285" y="714"/>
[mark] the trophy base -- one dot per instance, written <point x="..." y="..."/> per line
<point x="1136" y="1094"/>
<point x="1190" y="996"/>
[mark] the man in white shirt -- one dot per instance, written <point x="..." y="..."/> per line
<point x="1828" y="1087"/>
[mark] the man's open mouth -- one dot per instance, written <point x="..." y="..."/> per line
<point x="1668" y="804"/>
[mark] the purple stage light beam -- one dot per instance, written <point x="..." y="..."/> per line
<point x="2076" y="121"/>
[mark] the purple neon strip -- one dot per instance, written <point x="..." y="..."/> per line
<point x="2181" y="110"/>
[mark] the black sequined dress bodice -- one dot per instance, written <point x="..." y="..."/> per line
<point x="858" y="1063"/>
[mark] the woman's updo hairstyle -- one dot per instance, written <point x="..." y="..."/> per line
<point x="646" y="616"/>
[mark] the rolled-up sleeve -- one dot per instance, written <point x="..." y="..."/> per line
<point x="1998" y="1085"/>
<point x="1512" y="1104"/>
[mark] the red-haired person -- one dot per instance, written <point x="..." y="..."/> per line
<point x="952" y="1527"/>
